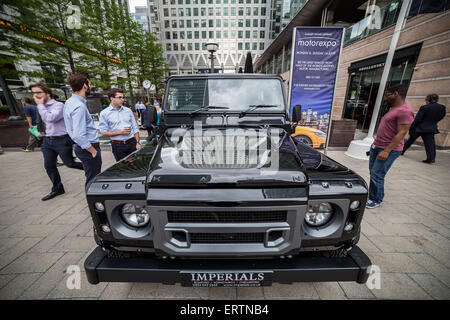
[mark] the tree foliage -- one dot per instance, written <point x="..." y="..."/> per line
<point x="106" y="30"/>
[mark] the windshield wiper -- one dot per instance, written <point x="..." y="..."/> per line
<point x="253" y="107"/>
<point x="206" y="108"/>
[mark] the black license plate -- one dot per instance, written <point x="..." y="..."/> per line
<point x="226" y="278"/>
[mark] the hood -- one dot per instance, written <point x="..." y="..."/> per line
<point x="231" y="157"/>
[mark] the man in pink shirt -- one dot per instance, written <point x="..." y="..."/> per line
<point x="388" y="144"/>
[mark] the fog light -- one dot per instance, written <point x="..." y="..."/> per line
<point x="349" y="226"/>
<point x="355" y="205"/>
<point x="105" y="228"/>
<point x="99" y="207"/>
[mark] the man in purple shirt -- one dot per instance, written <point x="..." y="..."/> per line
<point x="56" y="141"/>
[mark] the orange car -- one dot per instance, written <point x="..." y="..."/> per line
<point x="310" y="136"/>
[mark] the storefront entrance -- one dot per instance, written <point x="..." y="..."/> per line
<point x="364" y="82"/>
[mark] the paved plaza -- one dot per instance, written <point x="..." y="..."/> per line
<point x="407" y="237"/>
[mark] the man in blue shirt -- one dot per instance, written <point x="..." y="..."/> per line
<point x="29" y="111"/>
<point x="118" y="123"/>
<point x="80" y="125"/>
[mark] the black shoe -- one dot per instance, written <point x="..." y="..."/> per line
<point x="53" y="194"/>
<point x="59" y="164"/>
<point x="428" y="161"/>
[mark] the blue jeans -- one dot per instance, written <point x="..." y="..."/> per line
<point x="378" y="170"/>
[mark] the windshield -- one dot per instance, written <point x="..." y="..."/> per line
<point x="231" y="94"/>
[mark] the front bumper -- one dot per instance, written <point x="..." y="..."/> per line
<point x="353" y="267"/>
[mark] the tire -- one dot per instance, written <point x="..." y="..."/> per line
<point x="304" y="139"/>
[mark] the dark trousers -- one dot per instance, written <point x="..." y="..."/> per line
<point x="120" y="151"/>
<point x="33" y="141"/>
<point x="51" y="148"/>
<point x="428" y="141"/>
<point x="92" y="166"/>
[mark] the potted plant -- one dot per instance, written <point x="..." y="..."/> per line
<point x="4" y="112"/>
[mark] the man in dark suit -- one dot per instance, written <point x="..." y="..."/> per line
<point x="425" y="126"/>
<point x="149" y="121"/>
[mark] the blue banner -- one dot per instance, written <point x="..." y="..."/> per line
<point x="316" y="53"/>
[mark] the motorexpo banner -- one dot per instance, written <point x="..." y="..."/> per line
<point x="315" y="59"/>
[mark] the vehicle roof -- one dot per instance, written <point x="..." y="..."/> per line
<point x="226" y="75"/>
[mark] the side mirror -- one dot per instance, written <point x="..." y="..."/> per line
<point x="297" y="113"/>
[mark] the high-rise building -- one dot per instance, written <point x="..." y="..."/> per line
<point x="237" y="26"/>
<point x="141" y="16"/>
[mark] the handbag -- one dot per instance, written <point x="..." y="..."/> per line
<point x="34" y="131"/>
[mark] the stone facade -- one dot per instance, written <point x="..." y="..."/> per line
<point x="432" y="71"/>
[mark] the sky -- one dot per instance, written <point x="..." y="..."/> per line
<point x="136" y="3"/>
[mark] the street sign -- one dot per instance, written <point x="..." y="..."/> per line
<point x="146" y="84"/>
<point x="153" y="87"/>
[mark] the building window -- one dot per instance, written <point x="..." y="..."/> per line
<point x="210" y="11"/>
<point x="174" y="24"/>
<point x="166" y="23"/>
<point x="180" y="12"/>
<point x="248" y="11"/>
<point x="233" y="34"/>
<point x="218" y="23"/>
<point x="197" y="34"/>
<point x="225" y="23"/>
<point x="225" y="34"/>
<point x="173" y="12"/>
<point x="175" y="47"/>
<point x="203" y="34"/>
<point x="174" y="35"/>
<point x="181" y="34"/>
<point x="233" y="23"/>
<point x="189" y="34"/>
<point x="190" y="46"/>
<point x="247" y="46"/>
<point x="254" y="46"/>
<point x="167" y="35"/>
<point x="196" y="23"/>
<point x="188" y="12"/>
<point x="225" y="11"/>
<point x="255" y="11"/>
<point x="195" y="12"/>
<point x="217" y="34"/>
<point x="255" y="34"/>
<point x="218" y="12"/>
<point x="263" y="11"/>
<point x="262" y="23"/>
<point x="203" y="12"/>
<point x="240" y="46"/>
<point x="168" y="47"/>
<point x="182" y="47"/>
<point x="262" y="34"/>
<point x="261" y="46"/>
<point x="241" y="23"/>
<point x="255" y="23"/>
<point x="248" y="23"/>
<point x="203" y="23"/>
<point x="211" y="23"/>
<point x="180" y="2"/>
<point x="181" y="23"/>
<point x="188" y="24"/>
<point x="247" y="34"/>
<point x="166" y="12"/>
<point x="197" y="46"/>
<point x="240" y="34"/>
<point x="188" y="1"/>
<point x="233" y="11"/>
<point x="211" y="34"/>
<point x="240" y="11"/>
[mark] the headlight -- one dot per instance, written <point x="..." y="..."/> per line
<point x="320" y="134"/>
<point x="319" y="215"/>
<point x="135" y="216"/>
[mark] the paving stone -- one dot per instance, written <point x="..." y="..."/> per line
<point x="433" y="266"/>
<point x="432" y="286"/>
<point x="329" y="291"/>
<point x="355" y="290"/>
<point x="51" y="278"/>
<point x="399" y="286"/>
<point x="12" y="254"/>
<point x="395" y="262"/>
<point x="222" y="293"/>
<point x="396" y="244"/>
<point x="143" y="290"/>
<point x="8" y="243"/>
<point x="32" y="263"/>
<point x="52" y="240"/>
<point x="16" y="286"/>
<point x="5" y="279"/>
<point x="256" y="293"/>
<point x="116" y="291"/>
<point x="303" y="290"/>
<point x="178" y="292"/>
<point x="86" y="290"/>
<point x="366" y="245"/>
<point x="74" y="244"/>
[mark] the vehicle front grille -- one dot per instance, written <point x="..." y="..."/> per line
<point x="227" y="216"/>
<point x="227" y="237"/>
